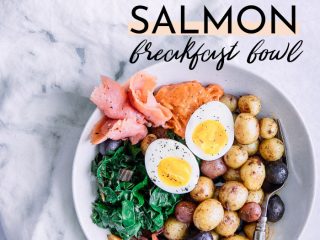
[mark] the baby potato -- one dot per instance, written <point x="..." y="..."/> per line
<point x="214" y="235"/>
<point x="174" y="230"/>
<point x="112" y="237"/>
<point x="233" y="195"/>
<point x="251" y="227"/>
<point x="249" y="104"/>
<point x="271" y="149"/>
<point x="184" y="211"/>
<point x="235" y="157"/>
<point x="230" y="101"/>
<point x="256" y="196"/>
<point x="246" y="128"/>
<point x="232" y="175"/>
<point x="251" y="148"/>
<point x="229" y="224"/>
<point x="203" y="190"/>
<point x="236" y="237"/>
<point x="250" y="212"/>
<point x="213" y="169"/>
<point x="208" y="215"/>
<point x="147" y="141"/>
<point x="268" y="128"/>
<point x="253" y="173"/>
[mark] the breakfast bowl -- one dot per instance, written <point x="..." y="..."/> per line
<point x="298" y="193"/>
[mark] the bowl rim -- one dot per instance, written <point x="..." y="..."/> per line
<point x="230" y="65"/>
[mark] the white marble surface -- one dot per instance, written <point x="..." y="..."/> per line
<point x="51" y="56"/>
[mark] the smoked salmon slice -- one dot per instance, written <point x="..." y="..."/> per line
<point x="111" y="98"/>
<point x="107" y="128"/>
<point x="140" y="92"/>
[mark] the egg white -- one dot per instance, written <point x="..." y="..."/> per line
<point x="214" y="110"/>
<point x="163" y="148"/>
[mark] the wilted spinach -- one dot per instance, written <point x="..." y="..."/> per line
<point x="127" y="208"/>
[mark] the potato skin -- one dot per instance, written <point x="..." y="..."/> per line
<point x="113" y="237"/>
<point x="147" y="141"/>
<point x="229" y="224"/>
<point x="251" y="148"/>
<point x="251" y="227"/>
<point x="249" y="104"/>
<point x="233" y="195"/>
<point x="253" y="173"/>
<point x="213" y="169"/>
<point x="203" y="190"/>
<point x="230" y="101"/>
<point x="236" y="237"/>
<point x="268" y="128"/>
<point x="174" y="230"/>
<point x="256" y="196"/>
<point x="271" y="149"/>
<point x="215" y="236"/>
<point x="235" y="157"/>
<point x="250" y="212"/>
<point x="208" y="215"/>
<point x="246" y="128"/>
<point x="184" y="211"/>
<point x="232" y="175"/>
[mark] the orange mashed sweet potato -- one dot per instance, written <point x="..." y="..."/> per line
<point x="183" y="99"/>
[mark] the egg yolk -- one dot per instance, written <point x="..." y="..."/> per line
<point x="174" y="172"/>
<point x="210" y="136"/>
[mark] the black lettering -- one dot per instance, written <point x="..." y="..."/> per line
<point x="168" y="22"/>
<point x="183" y="22"/>
<point x="137" y="51"/>
<point x="141" y="19"/>
<point x="291" y="26"/>
<point x="252" y="55"/>
<point x="227" y="15"/>
<point x="292" y="52"/>
<point x="261" y="25"/>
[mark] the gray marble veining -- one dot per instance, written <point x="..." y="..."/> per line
<point x="51" y="56"/>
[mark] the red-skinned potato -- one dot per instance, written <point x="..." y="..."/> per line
<point x="250" y="212"/>
<point x="213" y="169"/>
<point x="184" y="211"/>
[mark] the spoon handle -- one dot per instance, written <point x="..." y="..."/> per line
<point x="260" y="232"/>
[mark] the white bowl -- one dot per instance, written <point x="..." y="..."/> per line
<point x="298" y="194"/>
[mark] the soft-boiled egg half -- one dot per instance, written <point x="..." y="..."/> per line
<point x="210" y="131"/>
<point x="171" y="166"/>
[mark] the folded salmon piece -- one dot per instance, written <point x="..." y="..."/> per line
<point x="140" y="92"/>
<point x="111" y="98"/>
<point x="107" y="128"/>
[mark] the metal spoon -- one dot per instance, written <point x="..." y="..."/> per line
<point x="260" y="232"/>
